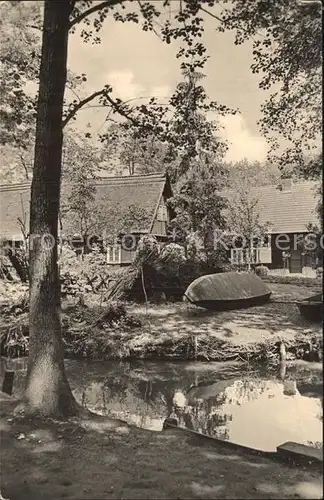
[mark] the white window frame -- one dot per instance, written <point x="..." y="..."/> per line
<point x="113" y="254"/>
<point x="241" y="256"/>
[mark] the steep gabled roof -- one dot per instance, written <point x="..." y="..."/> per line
<point x="289" y="210"/>
<point x="143" y="191"/>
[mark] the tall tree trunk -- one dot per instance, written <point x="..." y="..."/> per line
<point x="47" y="391"/>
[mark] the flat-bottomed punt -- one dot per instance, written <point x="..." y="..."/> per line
<point x="224" y="291"/>
<point x="312" y="308"/>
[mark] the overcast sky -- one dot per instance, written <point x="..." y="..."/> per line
<point x="137" y="63"/>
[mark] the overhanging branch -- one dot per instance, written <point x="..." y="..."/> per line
<point x="34" y="27"/>
<point x="211" y="14"/>
<point x="121" y="111"/>
<point x="95" y="8"/>
<point x="222" y="21"/>
<point x="103" y="92"/>
<point x="80" y="105"/>
<point x="143" y="13"/>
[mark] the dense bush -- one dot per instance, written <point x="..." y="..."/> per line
<point x="163" y="274"/>
<point x="97" y="333"/>
<point x="13" y="262"/>
<point x="88" y="332"/>
<point x="14" y="325"/>
<point x="147" y="249"/>
<point x="82" y="274"/>
<point x="261" y="271"/>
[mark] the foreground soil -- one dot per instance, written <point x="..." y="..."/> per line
<point x="105" y="459"/>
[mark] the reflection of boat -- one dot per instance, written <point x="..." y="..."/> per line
<point x="205" y="392"/>
<point x="290" y="388"/>
<point x="227" y="291"/>
<point x="312" y="308"/>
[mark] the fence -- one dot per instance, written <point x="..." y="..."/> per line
<point x="241" y="256"/>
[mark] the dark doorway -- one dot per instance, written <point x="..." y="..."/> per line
<point x="296" y="261"/>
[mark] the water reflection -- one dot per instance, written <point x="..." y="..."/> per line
<point x="221" y="400"/>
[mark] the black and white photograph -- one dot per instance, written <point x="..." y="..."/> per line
<point x="161" y="249"/>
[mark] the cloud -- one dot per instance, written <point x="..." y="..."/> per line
<point x="126" y="88"/>
<point x="242" y="142"/>
<point x="161" y="92"/>
<point x="124" y="85"/>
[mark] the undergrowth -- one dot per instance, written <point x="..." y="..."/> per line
<point x="88" y="332"/>
<point x="110" y="332"/>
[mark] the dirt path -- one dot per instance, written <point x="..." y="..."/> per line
<point x="99" y="460"/>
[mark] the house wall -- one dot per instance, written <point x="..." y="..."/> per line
<point x="127" y="256"/>
<point x="299" y="261"/>
<point x="161" y="219"/>
<point x="159" y="227"/>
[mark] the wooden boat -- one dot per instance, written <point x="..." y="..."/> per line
<point x="312" y="308"/>
<point x="229" y="290"/>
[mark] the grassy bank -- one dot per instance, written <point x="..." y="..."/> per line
<point x="179" y="331"/>
<point x="251" y="333"/>
<point x="104" y="459"/>
<point x="291" y="279"/>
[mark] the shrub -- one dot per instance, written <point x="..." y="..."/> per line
<point x="147" y="249"/>
<point x="82" y="275"/>
<point x="102" y="331"/>
<point x="261" y="271"/>
<point x="166" y="273"/>
<point x="92" y="332"/>
<point x="14" y="327"/>
<point x="173" y="255"/>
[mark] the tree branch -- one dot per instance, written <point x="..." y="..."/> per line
<point x="34" y="27"/>
<point x="71" y="89"/>
<point x="80" y="104"/>
<point x="95" y="8"/>
<point x="121" y="111"/>
<point x="99" y="93"/>
<point x="211" y="14"/>
<point x="153" y="29"/>
<point x="24" y="165"/>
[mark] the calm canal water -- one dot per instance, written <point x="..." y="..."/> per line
<point x="223" y="400"/>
